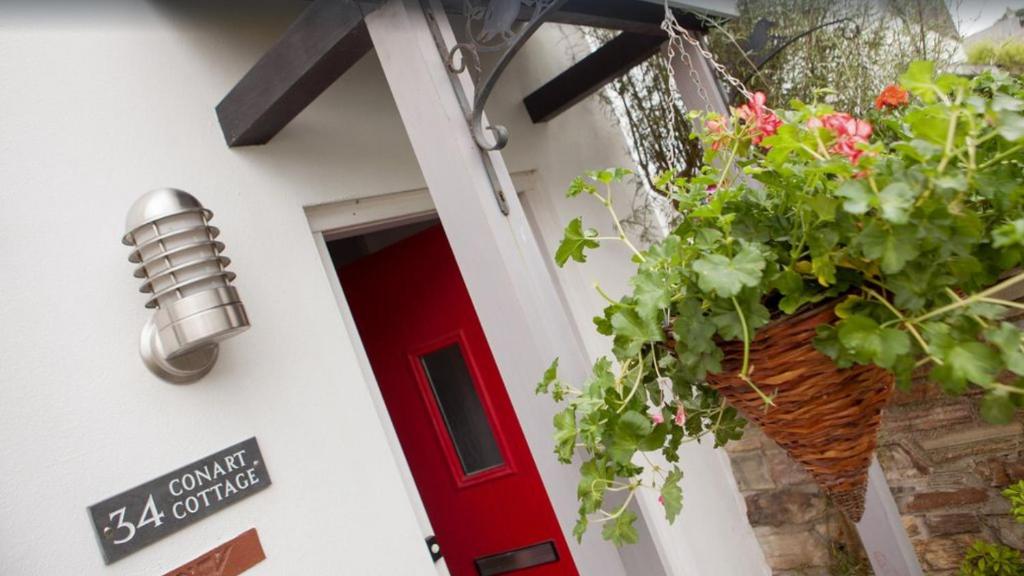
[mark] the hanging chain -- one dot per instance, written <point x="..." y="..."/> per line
<point x="677" y="35"/>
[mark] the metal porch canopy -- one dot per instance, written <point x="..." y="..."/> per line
<point x="330" y="36"/>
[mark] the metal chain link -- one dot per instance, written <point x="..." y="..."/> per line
<point x="677" y="35"/>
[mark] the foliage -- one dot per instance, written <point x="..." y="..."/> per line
<point x="652" y="115"/>
<point x="914" y="230"/>
<point x="1015" y="494"/>
<point x="846" y="563"/>
<point x="988" y="559"/>
<point x="854" y="60"/>
<point x="861" y="46"/>
<point x="1008" y="55"/>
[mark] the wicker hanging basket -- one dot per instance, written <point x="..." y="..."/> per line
<point x="826" y="418"/>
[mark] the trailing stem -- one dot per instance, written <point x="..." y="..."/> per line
<point x="745" y="369"/>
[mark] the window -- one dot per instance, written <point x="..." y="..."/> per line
<point x="460" y="406"/>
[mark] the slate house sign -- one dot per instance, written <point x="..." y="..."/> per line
<point x="139" y="517"/>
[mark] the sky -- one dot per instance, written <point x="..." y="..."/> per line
<point x="975" y="15"/>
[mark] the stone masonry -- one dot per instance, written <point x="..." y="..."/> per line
<point x="945" y="467"/>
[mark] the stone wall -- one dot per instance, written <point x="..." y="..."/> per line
<point x="945" y="468"/>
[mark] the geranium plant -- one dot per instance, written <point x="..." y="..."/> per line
<point x="910" y="220"/>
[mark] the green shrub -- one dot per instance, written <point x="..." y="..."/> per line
<point x="1015" y="494"/>
<point x="1009" y="55"/>
<point x="988" y="559"/>
<point x="982" y="53"/>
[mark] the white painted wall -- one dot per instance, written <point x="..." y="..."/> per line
<point x="97" y="107"/>
<point x="102" y="102"/>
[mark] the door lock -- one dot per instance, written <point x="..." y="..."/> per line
<point x="434" y="548"/>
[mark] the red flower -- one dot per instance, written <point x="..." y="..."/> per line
<point x="892" y="96"/>
<point x="848" y="132"/>
<point x="762" y="121"/>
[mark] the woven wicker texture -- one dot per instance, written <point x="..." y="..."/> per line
<point x="827" y="419"/>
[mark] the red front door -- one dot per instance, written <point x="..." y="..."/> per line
<point x="453" y="417"/>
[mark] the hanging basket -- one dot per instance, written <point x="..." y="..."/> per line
<point x="824" y="417"/>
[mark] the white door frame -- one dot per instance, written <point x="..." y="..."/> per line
<point x="350" y="218"/>
<point x="354" y="217"/>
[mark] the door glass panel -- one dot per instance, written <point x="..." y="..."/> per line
<point x="460" y="406"/>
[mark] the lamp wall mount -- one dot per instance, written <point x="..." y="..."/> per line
<point x="179" y="260"/>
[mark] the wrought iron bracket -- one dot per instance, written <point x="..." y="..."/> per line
<point x="490" y="27"/>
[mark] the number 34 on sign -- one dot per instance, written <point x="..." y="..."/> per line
<point x="138" y="517"/>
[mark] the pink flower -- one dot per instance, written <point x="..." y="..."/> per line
<point x="680" y="418"/>
<point x="717" y="127"/>
<point x="656" y="417"/>
<point x="848" y="132"/>
<point x="762" y="121"/>
<point x="661" y="500"/>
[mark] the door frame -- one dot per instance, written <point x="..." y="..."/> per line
<point x="347" y="218"/>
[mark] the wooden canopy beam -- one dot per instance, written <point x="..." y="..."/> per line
<point x="637" y="16"/>
<point x="617" y="57"/>
<point x="325" y="41"/>
<point x="329" y="37"/>
<point x="634" y="16"/>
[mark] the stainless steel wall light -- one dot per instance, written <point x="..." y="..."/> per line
<point x="180" y="262"/>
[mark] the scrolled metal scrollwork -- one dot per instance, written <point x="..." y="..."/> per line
<point x="491" y="27"/>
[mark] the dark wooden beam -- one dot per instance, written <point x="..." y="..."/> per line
<point x="634" y="16"/>
<point x="618" y="56"/>
<point x="325" y="41"/>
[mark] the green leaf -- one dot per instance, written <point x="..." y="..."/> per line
<point x="997" y="407"/>
<point x="633" y="425"/>
<point x="621" y="531"/>
<point x="893" y="248"/>
<point x="692" y="327"/>
<point x="652" y="290"/>
<point x="859" y="198"/>
<point x="974" y="361"/>
<point x="723" y="314"/>
<point x="1007" y="338"/>
<point x="896" y="201"/>
<point x="580" y="528"/>
<point x="565" y="434"/>
<point x="574" y="242"/>
<point x="632" y="331"/>
<point x="610" y="175"/>
<point x="672" y="495"/>
<point x="870" y="343"/>
<point x="579" y="186"/>
<point x="550" y="376"/>
<point x="626" y="435"/>
<point x="594" y="479"/>
<point x="1009" y="234"/>
<point x="727" y="276"/>
<point x="1006" y="103"/>
<point x="918" y="80"/>
<point x="694" y="334"/>
<point x="966" y="362"/>
<point x="824" y="207"/>
<point x="1010" y="126"/>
